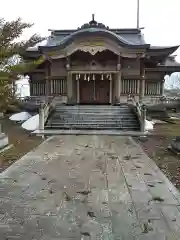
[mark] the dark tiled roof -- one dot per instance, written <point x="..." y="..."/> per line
<point x="129" y="37"/>
<point x="125" y="36"/>
<point x="155" y="51"/>
<point x="57" y="41"/>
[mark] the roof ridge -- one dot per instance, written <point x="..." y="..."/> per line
<point x="114" y="30"/>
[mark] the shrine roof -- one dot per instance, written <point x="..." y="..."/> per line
<point x="171" y="61"/>
<point x="168" y="66"/>
<point x="128" y="40"/>
<point x="160" y="50"/>
<point x="127" y="37"/>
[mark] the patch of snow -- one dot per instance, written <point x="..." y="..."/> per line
<point x="32" y="123"/>
<point x="22" y="116"/>
<point x="175" y="118"/>
<point x="149" y="125"/>
<point x="157" y="121"/>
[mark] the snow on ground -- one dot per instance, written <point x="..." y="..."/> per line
<point x="149" y="125"/>
<point x="175" y="118"/>
<point x="32" y="123"/>
<point x="19" y="117"/>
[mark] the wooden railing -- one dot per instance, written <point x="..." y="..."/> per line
<point x="154" y="100"/>
<point x="47" y="105"/>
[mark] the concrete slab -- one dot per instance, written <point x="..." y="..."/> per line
<point x="87" y="187"/>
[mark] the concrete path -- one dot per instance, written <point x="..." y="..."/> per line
<point x="87" y="187"/>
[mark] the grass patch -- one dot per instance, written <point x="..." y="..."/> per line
<point x="21" y="141"/>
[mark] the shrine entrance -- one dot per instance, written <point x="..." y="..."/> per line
<point x="95" y="89"/>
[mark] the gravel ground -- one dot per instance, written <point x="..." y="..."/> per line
<point x="21" y="140"/>
<point x="156" y="148"/>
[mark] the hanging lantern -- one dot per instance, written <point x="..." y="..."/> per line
<point x="93" y="77"/>
<point x="85" y="77"/>
<point x="88" y="78"/>
<point x="77" y="77"/>
<point x="107" y="76"/>
<point x="102" y="77"/>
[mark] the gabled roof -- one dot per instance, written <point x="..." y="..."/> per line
<point x="171" y="62"/>
<point x="94" y="32"/>
<point x="128" y="37"/>
<point x="160" y="50"/>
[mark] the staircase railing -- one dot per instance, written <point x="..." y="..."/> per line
<point x="46" y="107"/>
<point x="140" y="111"/>
<point x="155" y="100"/>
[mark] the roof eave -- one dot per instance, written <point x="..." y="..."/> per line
<point x="165" y="69"/>
<point x="161" y="51"/>
<point x="31" y="54"/>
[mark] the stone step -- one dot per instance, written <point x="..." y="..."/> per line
<point x="94" y="113"/>
<point x="94" y="124"/>
<point x="92" y="106"/>
<point x="92" y="116"/>
<point x="92" y="121"/>
<point x="93" y="109"/>
<point x="91" y="113"/>
<point x="66" y="126"/>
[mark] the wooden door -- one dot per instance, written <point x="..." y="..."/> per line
<point x="86" y="91"/>
<point x="102" y="91"/>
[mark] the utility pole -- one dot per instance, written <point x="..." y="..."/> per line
<point x="138" y="7"/>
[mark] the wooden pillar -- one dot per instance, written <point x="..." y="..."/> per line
<point x="142" y="89"/>
<point x="110" y="91"/>
<point x="138" y="86"/>
<point x="30" y="85"/>
<point x="162" y="87"/>
<point x="47" y="79"/>
<point x="78" y="94"/>
<point x="69" y="80"/>
<point x="118" y="96"/>
<point x="69" y="87"/>
<point x="47" y="90"/>
<point x="142" y="80"/>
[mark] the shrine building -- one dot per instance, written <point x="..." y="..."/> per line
<point x="95" y="64"/>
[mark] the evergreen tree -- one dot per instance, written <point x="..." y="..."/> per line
<point x="12" y="64"/>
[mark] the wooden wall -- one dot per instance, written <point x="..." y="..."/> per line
<point x="51" y="87"/>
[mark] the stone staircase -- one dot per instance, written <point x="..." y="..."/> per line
<point x="102" y="117"/>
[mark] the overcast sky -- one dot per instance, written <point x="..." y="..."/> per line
<point x="159" y="17"/>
